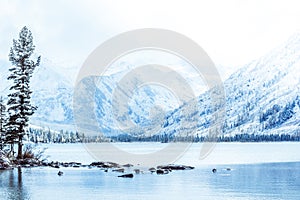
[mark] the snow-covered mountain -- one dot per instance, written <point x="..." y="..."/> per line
<point x="53" y="88"/>
<point x="261" y="97"/>
<point x="144" y="102"/>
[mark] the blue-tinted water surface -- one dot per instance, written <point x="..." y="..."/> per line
<point x="251" y="181"/>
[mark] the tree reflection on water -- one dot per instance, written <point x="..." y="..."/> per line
<point x="12" y="186"/>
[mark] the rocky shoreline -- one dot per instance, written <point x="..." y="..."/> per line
<point x="127" y="170"/>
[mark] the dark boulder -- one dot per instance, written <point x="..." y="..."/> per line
<point x="127" y="165"/>
<point x="55" y="166"/>
<point x="126" y="176"/>
<point x="162" y="171"/>
<point x="172" y="167"/>
<point x="65" y="165"/>
<point x="152" y="169"/>
<point x="105" y="165"/>
<point x="97" y="164"/>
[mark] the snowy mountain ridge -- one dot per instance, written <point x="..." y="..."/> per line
<point x="261" y="98"/>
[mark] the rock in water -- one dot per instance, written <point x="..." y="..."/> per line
<point x="214" y="170"/>
<point x="126" y="176"/>
<point x="122" y="170"/>
<point x="128" y="165"/>
<point x="152" y="169"/>
<point x="162" y="171"/>
<point x="175" y="167"/>
<point x="60" y="173"/>
<point x="105" y="165"/>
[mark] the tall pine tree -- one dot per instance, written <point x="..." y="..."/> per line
<point x="2" y="122"/>
<point x="19" y="105"/>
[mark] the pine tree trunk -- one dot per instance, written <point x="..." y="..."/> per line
<point x="20" y="145"/>
<point x="12" y="149"/>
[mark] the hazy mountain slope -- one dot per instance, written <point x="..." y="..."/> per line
<point x="262" y="97"/>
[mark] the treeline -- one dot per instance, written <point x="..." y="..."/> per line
<point x="39" y="135"/>
<point x="224" y="138"/>
<point x="48" y="136"/>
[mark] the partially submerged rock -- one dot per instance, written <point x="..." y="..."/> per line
<point x="152" y="169"/>
<point x="126" y="176"/>
<point x="105" y="164"/>
<point x="172" y="167"/>
<point x="127" y="165"/>
<point x="162" y="171"/>
<point x="165" y="169"/>
<point x="71" y="164"/>
<point x="55" y="166"/>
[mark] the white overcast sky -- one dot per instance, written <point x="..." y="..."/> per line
<point x="232" y="32"/>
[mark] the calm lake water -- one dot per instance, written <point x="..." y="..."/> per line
<point x="280" y="180"/>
